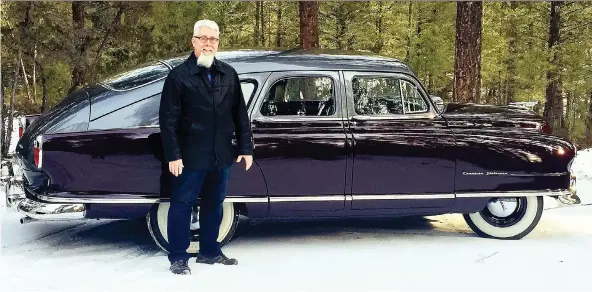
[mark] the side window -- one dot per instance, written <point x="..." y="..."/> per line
<point x="137" y="114"/>
<point x="300" y="96"/>
<point x="248" y="88"/>
<point x="386" y="96"/>
<point x="377" y="96"/>
<point x="413" y="102"/>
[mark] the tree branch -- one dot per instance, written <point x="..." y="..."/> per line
<point x="111" y="28"/>
<point x="25" y="77"/>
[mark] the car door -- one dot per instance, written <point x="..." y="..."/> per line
<point x="300" y="141"/>
<point x="403" y="151"/>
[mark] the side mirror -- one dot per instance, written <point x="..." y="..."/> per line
<point x="439" y="102"/>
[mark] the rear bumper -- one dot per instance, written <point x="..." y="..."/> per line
<point x="17" y="201"/>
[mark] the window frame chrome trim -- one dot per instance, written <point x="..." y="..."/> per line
<point x="349" y="75"/>
<point x="276" y="76"/>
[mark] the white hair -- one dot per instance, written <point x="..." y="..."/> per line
<point x="207" y="23"/>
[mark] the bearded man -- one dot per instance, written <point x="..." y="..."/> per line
<point x="201" y="109"/>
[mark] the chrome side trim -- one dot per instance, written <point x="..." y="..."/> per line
<point x="246" y="200"/>
<point x="276" y="199"/>
<point x="139" y="200"/>
<point x="307" y="198"/>
<point x="494" y="173"/>
<point x="404" y="197"/>
<point x="513" y="194"/>
<point x="540" y="174"/>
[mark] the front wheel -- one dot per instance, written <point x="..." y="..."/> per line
<point x="506" y="218"/>
<point x="157" y="219"/>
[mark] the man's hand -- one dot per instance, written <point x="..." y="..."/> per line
<point x="248" y="160"/>
<point x="176" y="167"/>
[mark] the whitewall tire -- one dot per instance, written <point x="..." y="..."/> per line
<point x="506" y="218"/>
<point x="157" y="225"/>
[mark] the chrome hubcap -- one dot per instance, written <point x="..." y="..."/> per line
<point x="502" y="207"/>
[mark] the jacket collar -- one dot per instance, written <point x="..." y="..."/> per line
<point x="194" y="69"/>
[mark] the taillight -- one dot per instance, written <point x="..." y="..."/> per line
<point x="23" y="124"/>
<point x="38" y="151"/>
<point x="546" y="128"/>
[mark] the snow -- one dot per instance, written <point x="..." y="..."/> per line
<point x="438" y="253"/>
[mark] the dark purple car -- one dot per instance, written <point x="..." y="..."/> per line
<point x="336" y="135"/>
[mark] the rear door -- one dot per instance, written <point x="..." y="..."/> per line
<point x="403" y="150"/>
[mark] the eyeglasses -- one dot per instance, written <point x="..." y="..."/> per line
<point x="204" y="39"/>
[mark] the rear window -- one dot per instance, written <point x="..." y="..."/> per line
<point x="142" y="75"/>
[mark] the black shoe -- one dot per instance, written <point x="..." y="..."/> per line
<point x="180" y="267"/>
<point x="221" y="259"/>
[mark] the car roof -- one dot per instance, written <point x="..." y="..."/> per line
<point x="251" y="61"/>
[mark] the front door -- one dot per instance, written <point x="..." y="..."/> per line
<point x="300" y="142"/>
<point x="403" y="151"/>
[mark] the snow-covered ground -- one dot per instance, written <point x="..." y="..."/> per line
<point x="419" y="253"/>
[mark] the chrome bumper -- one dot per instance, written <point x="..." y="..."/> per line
<point x="16" y="201"/>
<point x="571" y="197"/>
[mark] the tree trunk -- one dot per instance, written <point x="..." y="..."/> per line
<point x="257" y="24"/>
<point x="280" y="28"/>
<point x="309" y="32"/>
<point x="35" y="73"/>
<point x="589" y="121"/>
<point x="380" y="29"/>
<point x="24" y="27"/>
<point x="79" y="68"/>
<point x="512" y="34"/>
<point x="554" y="104"/>
<point x="341" y="27"/>
<point x="25" y="78"/>
<point x="467" y="58"/>
<point x="44" y="86"/>
<point x="489" y="97"/>
<point x="10" y="114"/>
<point x="568" y="111"/>
<point x="408" y="49"/>
<point x="262" y="18"/>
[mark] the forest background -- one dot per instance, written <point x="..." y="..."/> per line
<point x="482" y="52"/>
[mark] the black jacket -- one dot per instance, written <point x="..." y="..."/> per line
<point x="199" y="118"/>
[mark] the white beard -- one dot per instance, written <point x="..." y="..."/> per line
<point x="205" y="60"/>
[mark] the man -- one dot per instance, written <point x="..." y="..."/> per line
<point x="201" y="108"/>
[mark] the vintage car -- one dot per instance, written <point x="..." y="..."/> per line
<point x="336" y="135"/>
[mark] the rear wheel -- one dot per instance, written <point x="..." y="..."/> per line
<point x="157" y="220"/>
<point x="507" y="218"/>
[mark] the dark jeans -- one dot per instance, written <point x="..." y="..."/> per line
<point x="210" y="187"/>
